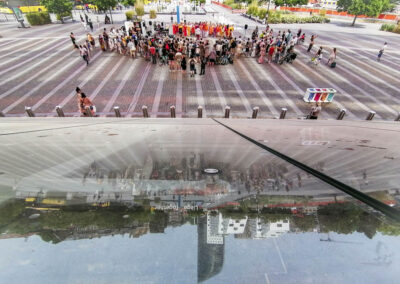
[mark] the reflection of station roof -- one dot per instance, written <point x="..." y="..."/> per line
<point x="56" y="153"/>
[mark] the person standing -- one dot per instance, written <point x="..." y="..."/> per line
<point x="203" y="66"/>
<point x="153" y="54"/>
<point x="315" y="111"/>
<point x="271" y="53"/>
<point x="106" y="39"/>
<point x="183" y="64"/>
<point x="178" y="59"/>
<point x="84" y="103"/>
<point x="318" y="56"/>
<point x="192" y="67"/>
<point x="73" y="39"/>
<point x="313" y="37"/>
<point x="381" y="51"/>
<point x="332" y="57"/>
<point x="288" y="37"/>
<point x="262" y="53"/>
<point x="90" y="25"/>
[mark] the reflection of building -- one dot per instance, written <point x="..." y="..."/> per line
<point x="210" y="256"/>
<point x="214" y="222"/>
<point x="217" y="227"/>
<point x="258" y="229"/>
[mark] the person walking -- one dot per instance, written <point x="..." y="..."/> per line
<point x="84" y="53"/>
<point x="317" y="57"/>
<point x="381" y="51"/>
<point x="91" y="40"/>
<point x="310" y="46"/>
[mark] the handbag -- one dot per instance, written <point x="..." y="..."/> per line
<point x="333" y="64"/>
<point x="312" y="59"/>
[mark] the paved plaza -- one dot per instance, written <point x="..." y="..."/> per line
<point x="39" y="69"/>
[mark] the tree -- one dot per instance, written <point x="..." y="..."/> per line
<point x="128" y="2"/>
<point x="106" y="5"/>
<point x="370" y="8"/>
<point x="139" y="8"/>
<point x="59" y="7"/>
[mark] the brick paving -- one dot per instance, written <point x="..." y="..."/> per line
<point x="40" y="69"/>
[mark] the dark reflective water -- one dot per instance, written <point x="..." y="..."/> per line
<point x="132" y="202"/>
<point x="55" y="239"/>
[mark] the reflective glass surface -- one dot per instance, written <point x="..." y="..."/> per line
<point x="182" y="201"/>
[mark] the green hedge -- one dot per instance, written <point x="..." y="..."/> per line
<point x="38" y="18"/>
<point x="252" y="10"/>
<point x="277" y="17"/>
<point x="62" y="15"/>
<point x="391" y="28"/>
<point x="262" y="13"/>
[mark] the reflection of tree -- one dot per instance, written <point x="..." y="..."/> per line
<point x="55" y="226"/>
<point x="305" y="223"/>
<point x="347" y="218"/>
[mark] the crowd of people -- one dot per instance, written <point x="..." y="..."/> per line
<point x="185" y="46"/>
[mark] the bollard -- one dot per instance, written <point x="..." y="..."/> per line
<point x="397" y="118"/>
<point x="199" y="112"/>
<point x="117" y="111"/>
<point x="172" y="109"/>
<point x="255" y="112"/>
<point x="60" y="111"/>
<point x="2" y="114"/>
<point x="371" y="115"/>
<point x="145" y="112"/>
<point x="88" y="112"/>
<point x="29" y="111"/>
<point x="283" y="113"/>
<point x="227" y="111"/>
<point x="341" y="114"/>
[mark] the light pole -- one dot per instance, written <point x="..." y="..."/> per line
<point x="269" y="3"/>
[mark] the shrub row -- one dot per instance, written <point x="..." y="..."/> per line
<point x="38" y="18"/>
<point x="62" y="15"/>
<point x="276" y="17"/>
<point x="391" y="28"/>
<point x="292" y="19"/>
<point x="233" y="5"/>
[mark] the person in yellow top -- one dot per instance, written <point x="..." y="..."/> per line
<point x="230" y="30"/>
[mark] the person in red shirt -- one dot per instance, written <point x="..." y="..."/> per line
<point x="153" y="54"/>
<point x="271" y="53"/>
